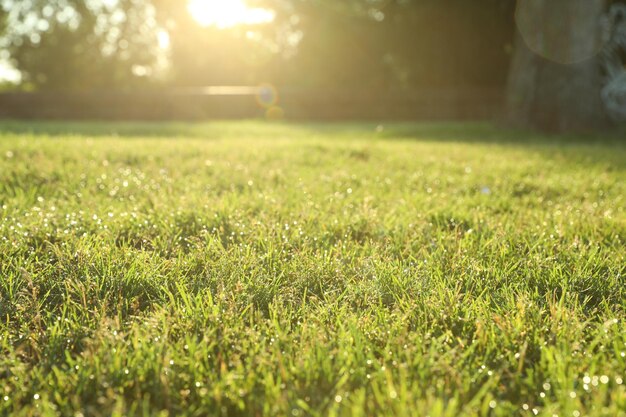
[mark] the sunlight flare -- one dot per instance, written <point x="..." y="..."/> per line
<point x="228" y="13"/>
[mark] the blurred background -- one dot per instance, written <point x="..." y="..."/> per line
<point x="308" y="59"/>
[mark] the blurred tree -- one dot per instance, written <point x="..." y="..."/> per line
<point x="352" y="44"/>
<point x="614" y="65"/>
<point x="404" y="44"/>
<point x="326" y="44"/>
<point x="82" y="44"/>
<point x="555" y="80"/>
<point x="243" y="54"/>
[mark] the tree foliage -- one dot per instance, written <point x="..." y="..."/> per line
<point x="407" y="44"/>
<point x="77" y="44"/>
<point x="399" y="44"/>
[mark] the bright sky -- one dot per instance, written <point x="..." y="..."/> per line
<point x="228" y="13"/>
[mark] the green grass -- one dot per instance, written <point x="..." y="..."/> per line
<point x="244" y="268"/>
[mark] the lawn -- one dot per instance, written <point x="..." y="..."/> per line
<point x="257" y="269"/>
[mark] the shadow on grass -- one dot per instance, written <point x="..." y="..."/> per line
<point x="491" y="133"/>
<point x="456" y="132"/>
<point x="156" y="130"/>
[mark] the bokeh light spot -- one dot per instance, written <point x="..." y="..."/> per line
<point x="555" y="33"/>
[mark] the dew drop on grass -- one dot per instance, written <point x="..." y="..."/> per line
<point x="36" y="396"/>
<point x="492" y="404"/>
<point x="6" y="398"/>
<point x="338" y="398"/>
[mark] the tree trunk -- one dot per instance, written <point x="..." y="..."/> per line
<point x="555" y="79"/>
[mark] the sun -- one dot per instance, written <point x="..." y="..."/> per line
<point x="227" y="13"/>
